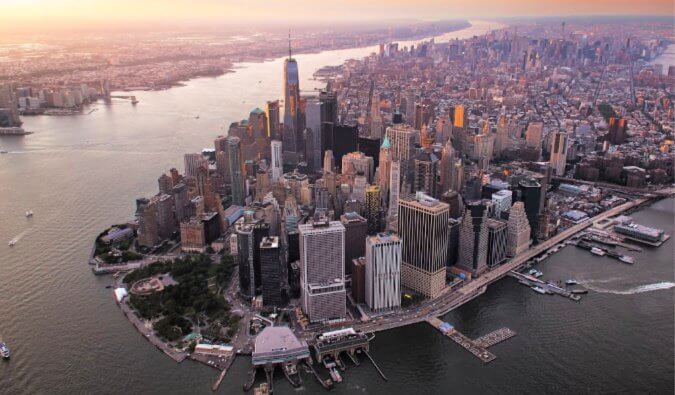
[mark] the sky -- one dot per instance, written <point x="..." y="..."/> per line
<point x="42" y="15"/>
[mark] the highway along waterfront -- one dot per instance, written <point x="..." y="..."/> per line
<point x="79" y="174"/>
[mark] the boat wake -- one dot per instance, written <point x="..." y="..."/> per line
<point x="634" y="290"/>
<point x="18" y="237"/>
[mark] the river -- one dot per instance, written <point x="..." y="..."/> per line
<point x="79" y="174"/>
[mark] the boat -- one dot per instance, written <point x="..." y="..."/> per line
<point x="539" y="290"/>
<point x="627" y="259"/>
<point x="29" y="213"/>
<point x="3" y="151"/>
<point x="4" y="350"/>
<point x="597" y="251"/>
<point x="580" y="291"/>
<point x="196" y="116"/>
<point x="11" y="243"/>
<point x="571" y="282"/>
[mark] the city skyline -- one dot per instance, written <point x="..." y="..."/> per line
<point x="459" y="176"/>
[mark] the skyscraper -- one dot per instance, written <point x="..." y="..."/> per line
<point x="473" y="240"/>
<point x="534" y="135"/>
<point x="192" y="163"/>
<point x="383" y="272"/>
<point x="447" y="166"/>
<point x="273" y="126"/>
<point x="237" y="173"/>
<point x="559" y="153"/>
<point x="617" y="130"/>
<point x="384" y="168"/>
<point x="394" y="187"/>
<point x="292" y="134"/>
<point x="497" y="242"/>
<point x="314" y="111"/>
<point x="518" y="230"/>
<point x="148" y="226"/>
<point x="271" y="271"/>
<point x="424" y="253"/>
<point x="402" y="140"/>
<point x="425" y="173"/>
<point x="530" y="194"/>
<point x="250" y="233"/>
<point x="322" y="270"/>
<point x="356" y="230"/>
<point x="277" y="161"/>
<point x="372" y="209"/>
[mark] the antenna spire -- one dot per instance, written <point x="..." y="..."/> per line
<point x="289" y="43"/>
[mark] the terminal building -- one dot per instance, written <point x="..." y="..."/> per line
<point x="278" y="345"/>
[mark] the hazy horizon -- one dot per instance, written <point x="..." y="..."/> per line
<point x="41" y="16"/>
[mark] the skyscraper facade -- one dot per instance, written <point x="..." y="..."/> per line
<point x="518" y="230"/>
<point x="402" y="140"/>
<point x="273" y="125"/>
<point x="237" y="172"/>
<point x="292" y="134"/>
<point x="322" y="270"/>
<point x="559" y="153"/>
<point x="497" y="242"/>
<point x="277" y="161"/>
<point x="372" y="209"/>
<point x="271" y="271"/>
<point x="423" y="226"/>
<point x="473" y="240"/>
<point x="383" y="272"/>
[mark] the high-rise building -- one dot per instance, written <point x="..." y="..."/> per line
<point x="497" y="242"/>
<point x="617" y="131"/>
<point x="459" y="117"/>
<point x="328" y="162"/>
<point x="273" y="125"/>
<point x="530" y="194"/>
<point x="180" y="201"/>
<point x="453" y="240"/>
<point x="425" y="173"/>
<point x="329" y="106"/>
<point x="473" y="240"/>
<point x="502" y="140"/>
<point x="250" y="233"/>
<point x="358" y="162"/>
<point x="402" y="140"/>
<point x="322" y="270"/>
<point x="424" y="252"/>
<point x="237" y="172"/>
<point x="383" y="272"/>
<point x="271" y="270"/>
<point x="148" y="226"/>
<point x="518" y="230"/>
<point x="447" y="167"/>
<point x="394" y="187"/>
<point x="314" y="112"/>
<point x="277" y="162"/>
<point x="534" y="136"/>
<point x="292" y="133"/>
<point x="192" y="163"/>
<point x="384" y="168"/>
<point x="502" y="199"/>
<point x="372" y="209"/>
<point x="165" y="183"/>
<point x="166" y="224"/>
<point x="559" y="153"/>
<point x="356" y="230"/>
<point x="192" y="236"/>
<point x="358" y="270"/>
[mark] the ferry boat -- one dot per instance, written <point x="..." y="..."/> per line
<point x="539" y="290"/>
<point x="597" y="251"/>
<point x="571" y="282"/>
<point x="4" y="350"/>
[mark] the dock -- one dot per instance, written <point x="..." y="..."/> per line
<point x="476" y="347"/>
<point x="495" y="337"/>
<point x="228" y="363"/>
<point x="374" y="364"/>
<point x="549" y="287"/>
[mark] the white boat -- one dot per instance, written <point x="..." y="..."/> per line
<point x="29" y="213"/>
<point x="11" y="243"/>
<point x="627" y="259"/>
<point x="539" y="290"/>
<point x="597" y="251"/>
<point x="571" y="282"/>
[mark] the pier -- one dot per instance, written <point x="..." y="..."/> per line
<point x="374" y="364"/>
<point x="476" y="347"/>
<point x="549" y="287"/>
<point x="228" y="363"/>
